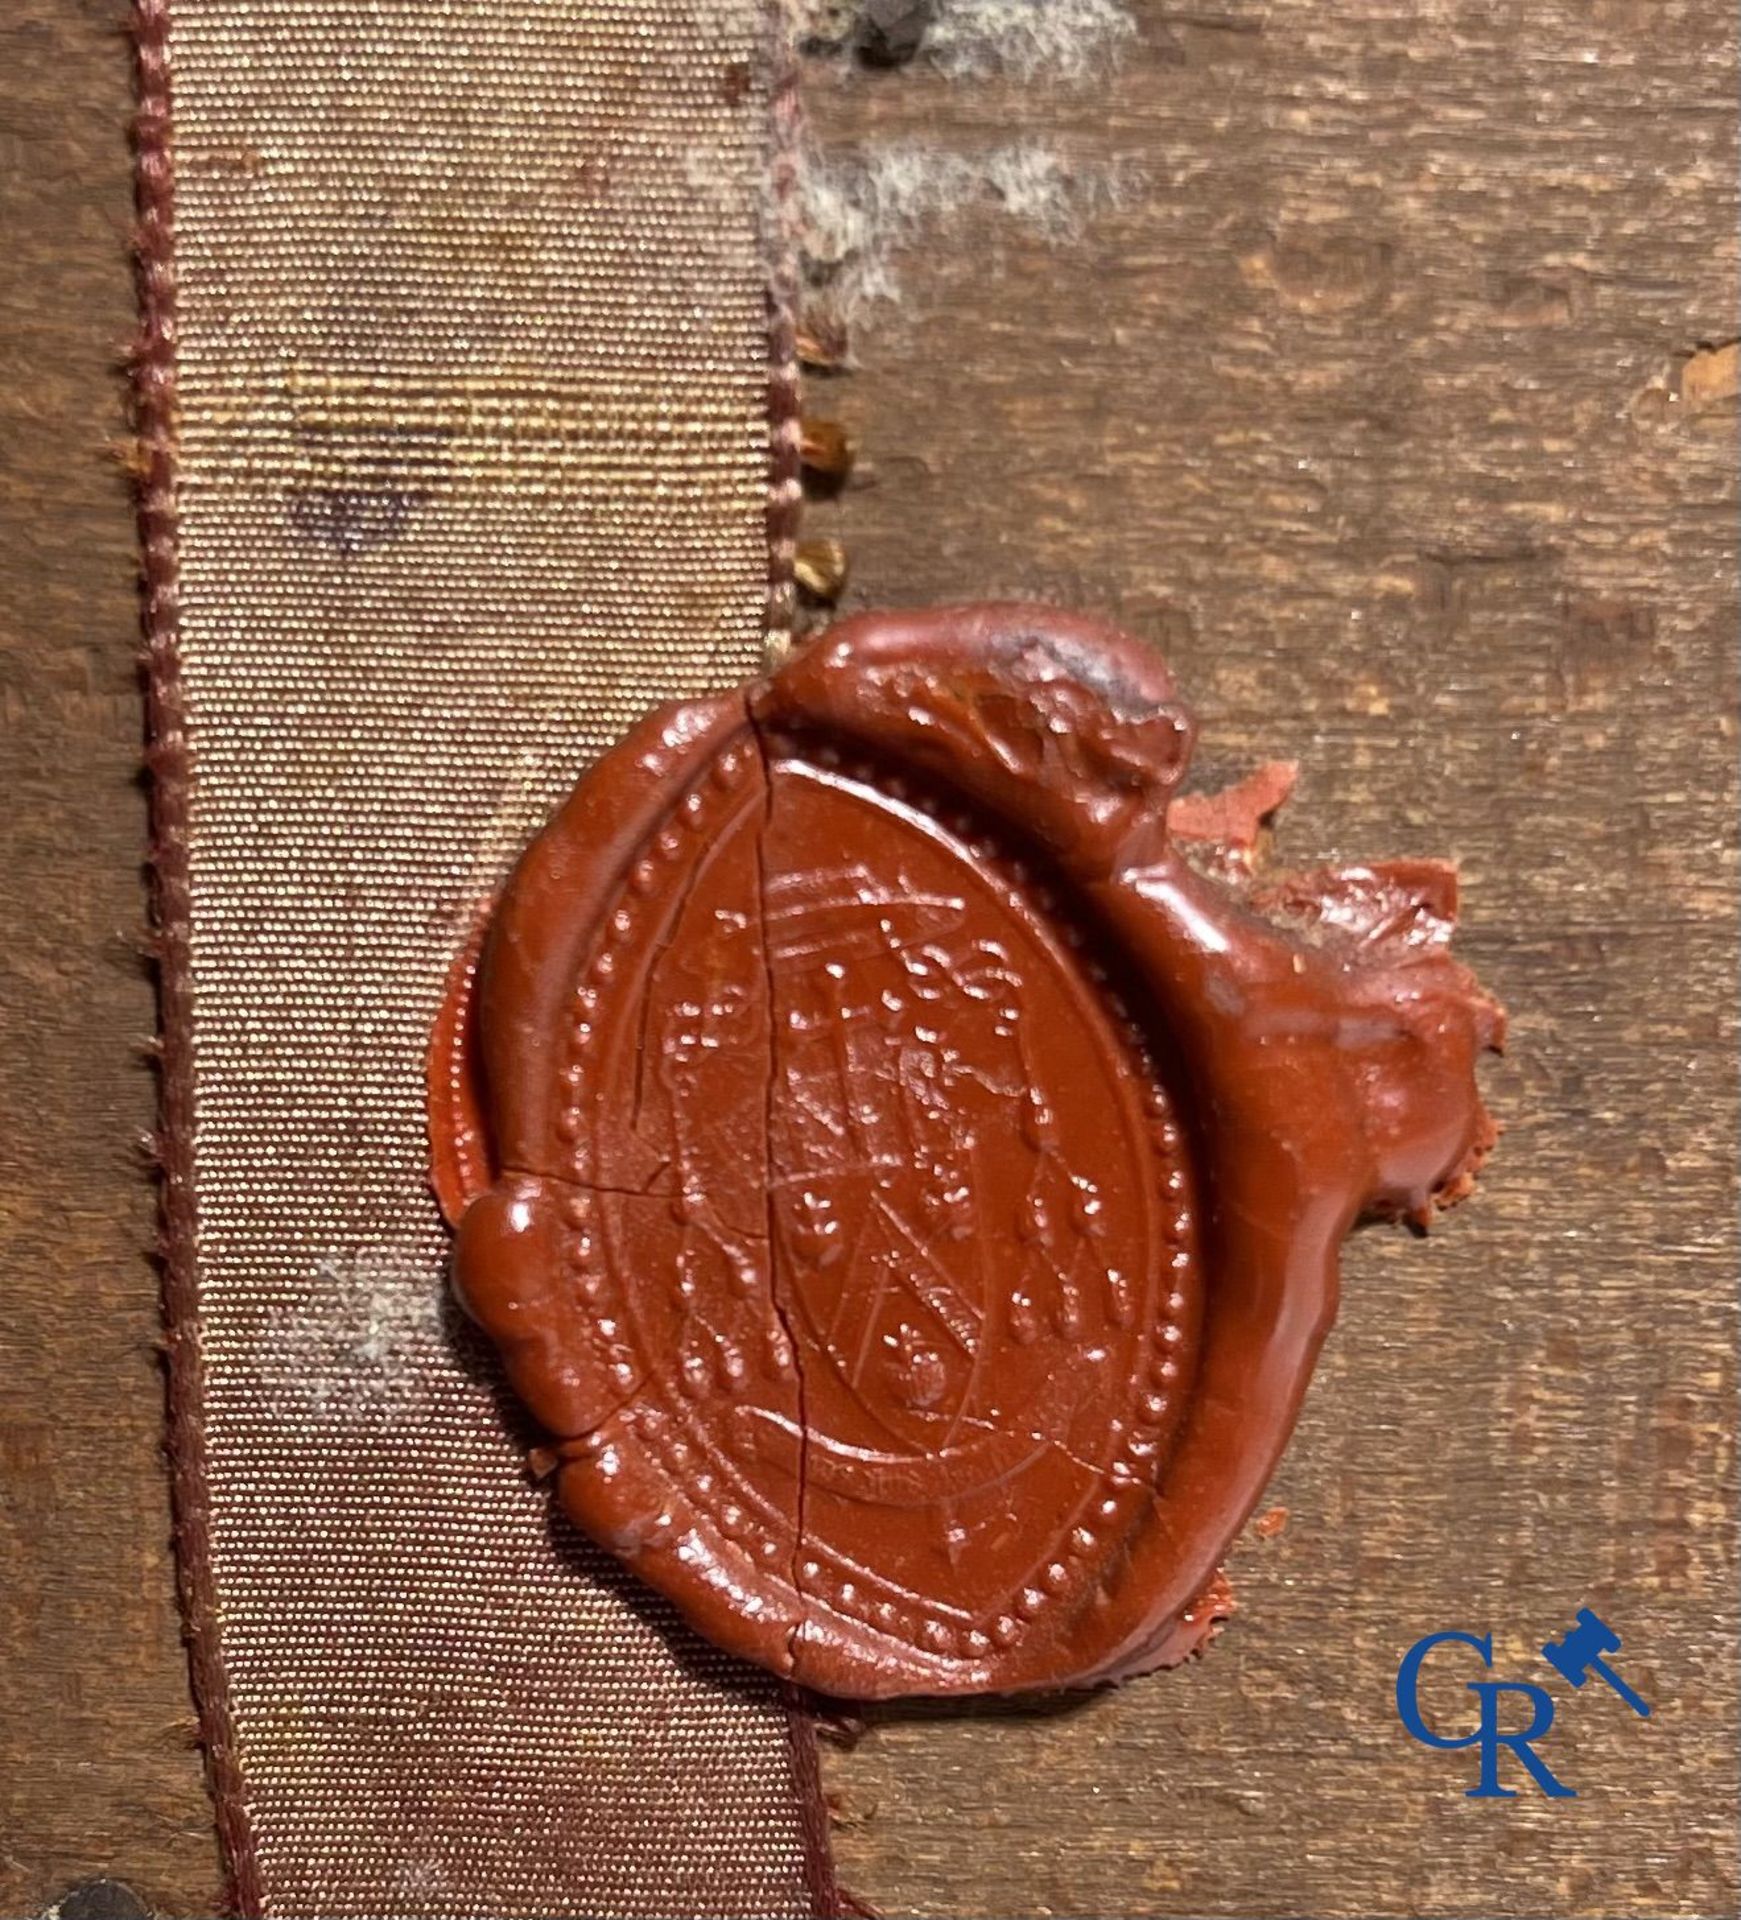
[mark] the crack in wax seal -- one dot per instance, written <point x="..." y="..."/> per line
<point x="905" y="1185"/>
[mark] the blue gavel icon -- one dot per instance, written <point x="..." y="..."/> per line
<point x="1579" y="1655"/>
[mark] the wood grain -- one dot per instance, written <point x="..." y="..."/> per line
<point x="1380" y="403"/>
<point x="99" y="1769"/>
<point x="1377" y="406"/>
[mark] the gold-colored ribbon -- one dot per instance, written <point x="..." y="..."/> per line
<point x="454" y="391"/>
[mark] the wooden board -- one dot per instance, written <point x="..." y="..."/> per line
<point x="98" y="1765"/>
<point x="1378" y="402"/>
<point x="1369" y="406"/>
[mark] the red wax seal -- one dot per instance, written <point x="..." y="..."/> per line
<point x="908" y="1187"/>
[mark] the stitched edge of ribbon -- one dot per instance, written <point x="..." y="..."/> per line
<point x="780" y="251"/>
<point x="167" y="756"/>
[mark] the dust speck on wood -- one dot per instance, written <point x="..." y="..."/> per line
<point x="861" y="213"/>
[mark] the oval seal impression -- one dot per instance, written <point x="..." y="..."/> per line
<point x="901" y="1157"/>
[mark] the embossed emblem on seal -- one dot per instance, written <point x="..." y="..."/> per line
<point x="907" y="1187"/>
